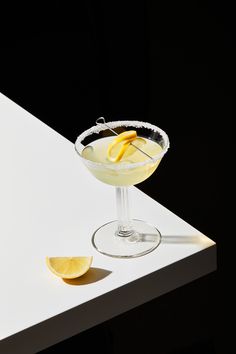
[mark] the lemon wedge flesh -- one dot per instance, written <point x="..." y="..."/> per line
<point x="69" y="267"/>
<point x="120" y="144"/>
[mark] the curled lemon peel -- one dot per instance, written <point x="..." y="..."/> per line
<point x="121" y="142"/>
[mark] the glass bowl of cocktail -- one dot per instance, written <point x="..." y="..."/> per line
<point x="123" y="154"/>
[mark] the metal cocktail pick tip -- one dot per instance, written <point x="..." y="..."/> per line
<point x="101" y="121"/>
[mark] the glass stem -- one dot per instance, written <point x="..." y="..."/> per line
<point x="124" y="223"/>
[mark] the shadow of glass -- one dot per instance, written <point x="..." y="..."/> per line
<point x="171" y="239"/>
<point x="181" y="239"/>
<point x="148" y="237"/>
<point x="92" y="276"/>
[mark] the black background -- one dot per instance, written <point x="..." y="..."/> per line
<point x="170" y="65"/>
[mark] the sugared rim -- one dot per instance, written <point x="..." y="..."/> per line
<point x="96" y="129"/>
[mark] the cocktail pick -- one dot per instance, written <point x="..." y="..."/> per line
<point x="101" y="121"/>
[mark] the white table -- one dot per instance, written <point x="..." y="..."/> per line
<point x="50" y="205"/>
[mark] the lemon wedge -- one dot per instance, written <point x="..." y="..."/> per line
<point x="69" y="267"/>
<point x="119" y="145"/>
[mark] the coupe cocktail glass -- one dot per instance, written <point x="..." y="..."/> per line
<point x="124" y="237"/>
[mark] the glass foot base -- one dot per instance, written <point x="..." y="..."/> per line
<point x="144" y="240"/>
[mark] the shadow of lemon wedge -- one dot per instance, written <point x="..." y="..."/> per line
<point x="92" y="276"/>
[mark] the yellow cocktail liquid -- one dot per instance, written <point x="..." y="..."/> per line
<point x="122" y="173"/>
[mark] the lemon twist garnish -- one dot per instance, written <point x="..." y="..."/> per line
<point x="69" y="267"/>
<point x="120" y="144"/>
